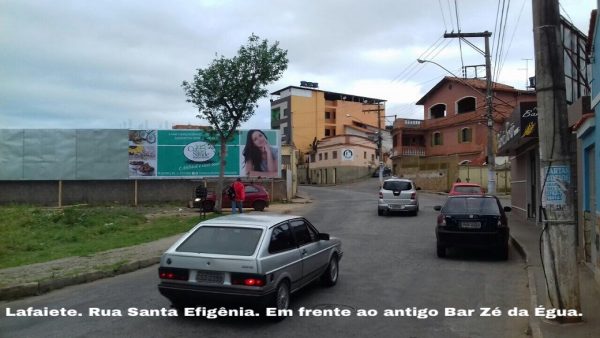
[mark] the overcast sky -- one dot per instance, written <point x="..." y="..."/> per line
<point x="120" y="64"/>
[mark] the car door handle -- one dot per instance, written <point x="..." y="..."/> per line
<point x="303" y="252"/>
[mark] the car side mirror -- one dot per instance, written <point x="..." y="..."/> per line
<point x="323" y="237"/>
<point x="507" y="209"/>
<point x="437" y="208"/>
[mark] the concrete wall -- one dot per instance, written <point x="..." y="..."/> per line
<point x="331" y="175"/>
<point x="57" y="193"/>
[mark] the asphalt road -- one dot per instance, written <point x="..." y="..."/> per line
<point x="389" y="265"/>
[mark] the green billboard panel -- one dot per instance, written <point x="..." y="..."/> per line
<point x="190" y="154"/>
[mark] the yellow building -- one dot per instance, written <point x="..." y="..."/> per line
<point x="306" y="114"/>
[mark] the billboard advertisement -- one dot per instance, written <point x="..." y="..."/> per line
<point x="184" y="153"/>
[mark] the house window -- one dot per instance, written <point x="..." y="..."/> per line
<point x="437" y="111"/>
<point x="365" y="155"/>
<point x="326" y="155"/>
<point x="327" y="115"/>
<point x="372" y="157"/>
<point x="465" y="135"/>
<point x="327" y="132"/>
<point x="465" y="105"/>
<point x="334" y="154"/>
<point x="436" y="139"/>
<point x="320" y="157"/>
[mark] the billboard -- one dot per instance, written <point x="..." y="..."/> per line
<point x="184" y="153"/>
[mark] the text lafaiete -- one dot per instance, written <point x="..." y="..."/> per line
<point x="41" y="312"/>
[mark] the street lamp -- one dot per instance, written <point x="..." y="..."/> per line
<point x="491" y="186"/>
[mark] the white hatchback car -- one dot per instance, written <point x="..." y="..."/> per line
<point x="258" y="260"/>
<point x="398" y="194"/>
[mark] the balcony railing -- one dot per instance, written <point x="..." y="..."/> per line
<point x="413" y="151"/>
<point x="412" y="123"/>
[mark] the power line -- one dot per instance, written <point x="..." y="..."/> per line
<point x="511" y="40"/>
<point x="443" y="16"/>
<point x="462" y="63"/>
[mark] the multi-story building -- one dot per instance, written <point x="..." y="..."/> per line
<point x="306" y="114"/>
<point x="323" y="126"/>
<point x="453" y="133"/>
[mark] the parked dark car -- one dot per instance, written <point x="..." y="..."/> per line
<point x="257" y="197"/>
<point x="472" y="221"/>
<point x="386" y="172"/>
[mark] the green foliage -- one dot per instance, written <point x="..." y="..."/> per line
<point x="32" y="235"/>
<point x="226" y="92"/>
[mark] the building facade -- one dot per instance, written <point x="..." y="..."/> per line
<point x="451" y="140"/>
<point x="306" y="115"/>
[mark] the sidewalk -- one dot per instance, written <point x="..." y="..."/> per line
<point x="525" y="238"/>
<point x="35" y="279"/>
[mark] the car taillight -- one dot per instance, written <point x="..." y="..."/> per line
<point x="441" y="221"/>
<point x="248" y="279"/>
<point x="413" y="196"/>
<point x="380" y="195"/>
<point x="173" y="273"/>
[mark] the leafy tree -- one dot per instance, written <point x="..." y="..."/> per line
<point x="226" y="92"/>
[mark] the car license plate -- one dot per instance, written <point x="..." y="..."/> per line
<point x="397" y="206"/>
<point x="210" y="277"/>
<point x="470" y="225"/>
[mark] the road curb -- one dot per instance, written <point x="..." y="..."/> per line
<point x="534" y="326"/>
<point x="13" y="292"/>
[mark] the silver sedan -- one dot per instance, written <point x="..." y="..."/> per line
<point x="246" y="259"/>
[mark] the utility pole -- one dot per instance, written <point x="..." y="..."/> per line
<point x="379" y="136"/>
<point x="526" y="69"/>
<point x="558" y="210"/>
<point x="491" y="154"/>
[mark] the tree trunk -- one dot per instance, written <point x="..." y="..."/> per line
<point x="219" y="191"/>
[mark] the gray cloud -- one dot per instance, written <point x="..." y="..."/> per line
<point x="115" y="64"/>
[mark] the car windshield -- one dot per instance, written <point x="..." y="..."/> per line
<point x="467" y="189"/>
<point x="222" y="241"/>
<point x="471" y="205"/>
<point x="397" y="185"/>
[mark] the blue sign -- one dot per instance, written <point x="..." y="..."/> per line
<point x="555" y="180"/>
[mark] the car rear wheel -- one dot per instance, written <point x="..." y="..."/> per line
<point x="330" y="276"/>
<point x="259" y="205"/>
<point x="441" y="251"/>
<point x="280" y="301"/>
<point x="503" y="253"/>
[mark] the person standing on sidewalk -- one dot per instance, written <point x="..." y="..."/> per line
<point x="240" y="196"/>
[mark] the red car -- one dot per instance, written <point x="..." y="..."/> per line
<point x="466" y="189"/>
<point x="257" y="197"/>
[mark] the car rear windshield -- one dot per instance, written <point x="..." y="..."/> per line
<point x="222" y="241"/>
<point x="397" y="185"/>
<point x="468" y="190"/>
<point x="472" y="205"/>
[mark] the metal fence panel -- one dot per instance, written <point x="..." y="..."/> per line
<point x="11" y="154"/>
<point x="102" y="154"/>
<point x="49" y="154"/>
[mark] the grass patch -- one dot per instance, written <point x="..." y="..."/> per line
<point x="34" y="235"/>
